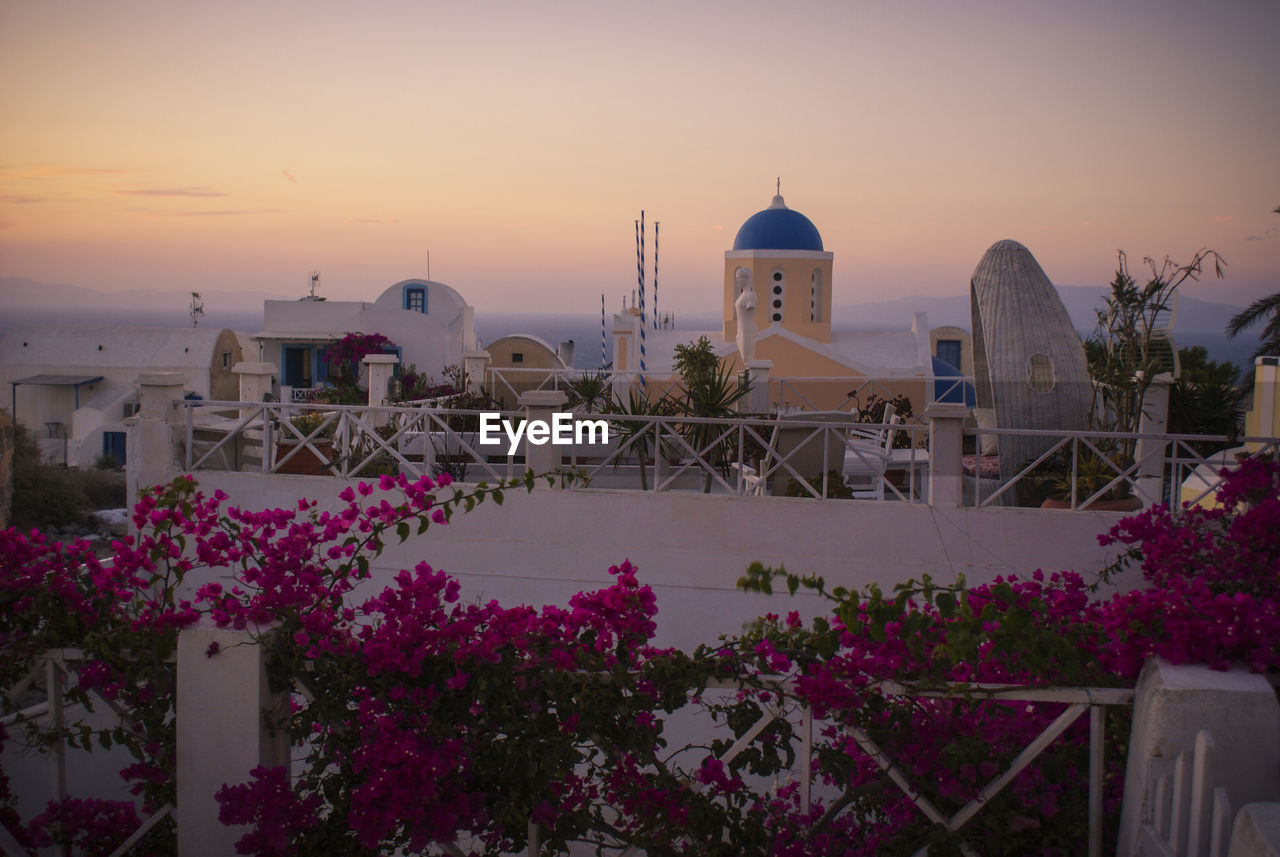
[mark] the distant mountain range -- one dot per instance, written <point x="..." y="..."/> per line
<point x="23" y="300"/>
<point x="1080" y="301"/>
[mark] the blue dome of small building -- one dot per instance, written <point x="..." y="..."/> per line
<point x="778" y="228"/>
<point x="949" y="385"/>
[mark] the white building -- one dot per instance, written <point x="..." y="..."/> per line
<point x="72" y="385"/>
<point x="430" y="323"/>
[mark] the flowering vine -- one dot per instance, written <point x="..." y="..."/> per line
<point x="420" y="719"/>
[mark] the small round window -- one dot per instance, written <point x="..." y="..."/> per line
<point x="777" y="276"/>
<point x="1040" y="373"/>
<point x="777" y="304"/>
<point x="777" y="290"/>
<point x="777" y="316"/>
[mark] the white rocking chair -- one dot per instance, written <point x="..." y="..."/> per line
<point x="866" y="458"/>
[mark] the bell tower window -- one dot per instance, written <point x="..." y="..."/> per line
<point x="815" y="295"/>
<point x="777" y="288"/>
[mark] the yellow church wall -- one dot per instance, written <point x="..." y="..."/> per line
<point x="620" y="353"/>
<point x="793" y="359"/>
<point x="797" y="269"/>
<point x="803" y="378"/>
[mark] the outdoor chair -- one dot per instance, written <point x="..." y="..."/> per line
<point x="803" y="453"/>
<point x="866" y="459"/>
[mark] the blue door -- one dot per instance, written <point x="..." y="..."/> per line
<point x="949" y="350"/>
<point x="296" y="365"/>
<point x="113" y="445"/>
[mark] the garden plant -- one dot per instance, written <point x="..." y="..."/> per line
<point x="427" y="719"/>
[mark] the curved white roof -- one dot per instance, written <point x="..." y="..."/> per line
<point x="108" y="346"/>
<point x="392" y="295"/>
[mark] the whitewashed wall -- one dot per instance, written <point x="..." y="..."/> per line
<point x="692" y="548"/>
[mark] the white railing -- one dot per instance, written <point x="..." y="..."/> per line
<point x="57" y="668"/>
<point x="1154" y="470"/>
<point x="338" y="440"/>
<point x="736" y="456"/>
<point x="504" y="382"/>
<point x="303" y="395"/>
<point x="681" y="453"/>
<point x="810" y="455"/>
<point x="1077" y="702"/>
<point x="1187" y="806"/>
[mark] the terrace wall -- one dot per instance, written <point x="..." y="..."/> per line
<point x="692" y="548"/>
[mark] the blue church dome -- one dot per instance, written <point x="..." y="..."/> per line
<point x="778" y="228"/>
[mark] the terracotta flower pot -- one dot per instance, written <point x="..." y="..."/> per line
<point x="305" y="462"/>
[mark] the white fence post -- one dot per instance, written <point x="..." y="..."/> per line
<point x="946" y="454"/>
<point x="541" y="405"/>
<point x="222" y="731"/>
<point x="150" y="448"/>
<point x="474" y="363"/>
<point x="1173" y="705"/>
<point x="381" y="368"/>
<point x="255" y="383"/>
<point x="757" y="401"/>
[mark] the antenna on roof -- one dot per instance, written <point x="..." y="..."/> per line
<point x="315" y="284"/>
<point x="779" y="185"/>
<point x="196" y="310"/>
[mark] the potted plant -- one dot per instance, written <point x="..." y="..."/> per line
<point x="307" y="447"/>
<point x="709" y="392"/>
<point x="636" y="436"/>
<point x="1093" y="473"/>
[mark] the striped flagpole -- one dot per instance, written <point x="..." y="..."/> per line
<point x="604" y="352"/>
<point x="655" y="275"/>
<point x="640" y="283"/>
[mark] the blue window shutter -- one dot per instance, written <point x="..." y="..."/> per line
<point x="415" y="299"/>
<point x="322" y="364"/>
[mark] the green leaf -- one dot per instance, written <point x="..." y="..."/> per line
<point x="402" y="530"/>
<point x="946" y="604"/>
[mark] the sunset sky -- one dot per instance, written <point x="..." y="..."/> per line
<point x="239" y="145"/>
